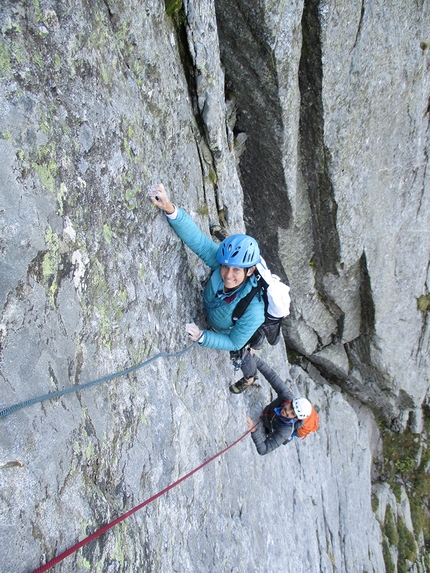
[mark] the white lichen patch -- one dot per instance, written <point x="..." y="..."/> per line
<point x="69" y="232"/>
<point x="80" y="260"/>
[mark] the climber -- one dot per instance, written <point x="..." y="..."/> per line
<point x="233" y="263"/>
<point x="284" y="418"/>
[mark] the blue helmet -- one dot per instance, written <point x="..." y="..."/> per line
<point x="238" y="251"/>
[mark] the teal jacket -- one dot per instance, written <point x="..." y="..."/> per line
<point x="225" y="335"/>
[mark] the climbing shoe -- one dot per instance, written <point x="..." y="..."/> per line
<point x="241" y="385"/>
<point x="218" y="232"/>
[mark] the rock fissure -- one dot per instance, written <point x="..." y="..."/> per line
<point x="252" y="77"/>
<point x="98" y="100"/>
<point x="314" y="155"/>
<point x="360" y="23"/>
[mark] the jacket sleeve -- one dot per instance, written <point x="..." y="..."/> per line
<point x="265" y="445"/>
<point x="274" y="380"/>
<point x="195" y="239"/>
<point x="241" y="332"/>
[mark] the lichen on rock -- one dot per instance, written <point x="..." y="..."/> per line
<point x="290" y="121"/>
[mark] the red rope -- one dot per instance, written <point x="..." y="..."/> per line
<point x="108" y="526"/>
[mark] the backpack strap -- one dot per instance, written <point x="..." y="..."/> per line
<point x="294" y="434"/>
<point x="244" y="302"/>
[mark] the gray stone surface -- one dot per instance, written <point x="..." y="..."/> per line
<point x="99" y="99"/>
<point x="334" y="101"/>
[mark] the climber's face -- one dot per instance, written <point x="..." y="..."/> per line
<point x="288" y="411"/>
<point x="233" y="277"/>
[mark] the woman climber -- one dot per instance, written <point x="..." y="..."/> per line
<point x="233" y="263"/>
<point x="284" y="418"/>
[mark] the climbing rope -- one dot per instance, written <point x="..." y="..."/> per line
<point x="124" y="516"/>
<point x="78" y="387"/>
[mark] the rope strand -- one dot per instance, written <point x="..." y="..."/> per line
<point x="124" y="516"/>
<point x="59" y="393"/>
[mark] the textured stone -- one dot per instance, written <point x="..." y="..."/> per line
<point x="334" y="101"/>
<point x="99" y="99"/>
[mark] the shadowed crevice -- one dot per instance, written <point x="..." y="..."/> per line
<point x="251" y="76"/>
<point x="359" y="25"/>
<point x="314" y="156"/>
<point x="367" y="328"/>
<point x="365" y="381"/>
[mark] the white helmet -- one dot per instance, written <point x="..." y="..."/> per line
<point x="302" y="408"/>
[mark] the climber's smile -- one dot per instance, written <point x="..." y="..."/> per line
<point x="233" y="277"/>
<point x="288" y="411"/>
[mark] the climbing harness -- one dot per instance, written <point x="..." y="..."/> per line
<point x="124" y="516"/>
<point x="237" y="357"/>
<point x="78" y="387"/>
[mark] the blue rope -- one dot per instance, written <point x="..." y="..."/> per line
<point x="78" y="387"/>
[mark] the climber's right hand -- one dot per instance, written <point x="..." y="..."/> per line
<point x="159" y="198"/>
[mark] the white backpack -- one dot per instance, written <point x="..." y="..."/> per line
<point x="278" y="293"/>
<point x="275" y="294"/>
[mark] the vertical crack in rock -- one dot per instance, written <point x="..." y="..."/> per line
<point x="315" y="160"/>
<point x="204" y="150"/>
<point x="359" y="350"/>
<point x="367" y="325"/>
<point x="359" y="25"/>
<point x="188" y="65"/>
<point x="251" y="76"/>
<point x="130" y="55"/>
<point x="426" y="157"/>
<point x="315" y="157"/>
<point x="198" y="73"/>
<point x="423" y="341"/>
<point x="106" y="3"/>
<point x="366" y="381"/>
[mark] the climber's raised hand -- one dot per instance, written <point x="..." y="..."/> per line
<point x="159" y="197"/>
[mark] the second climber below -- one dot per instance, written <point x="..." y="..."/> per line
<point x="233" y="264"/>
<point x="283" y="418"/>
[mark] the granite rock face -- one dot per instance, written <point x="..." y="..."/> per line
<point x="335" y="104"/>
<point x="244" y="124"/>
